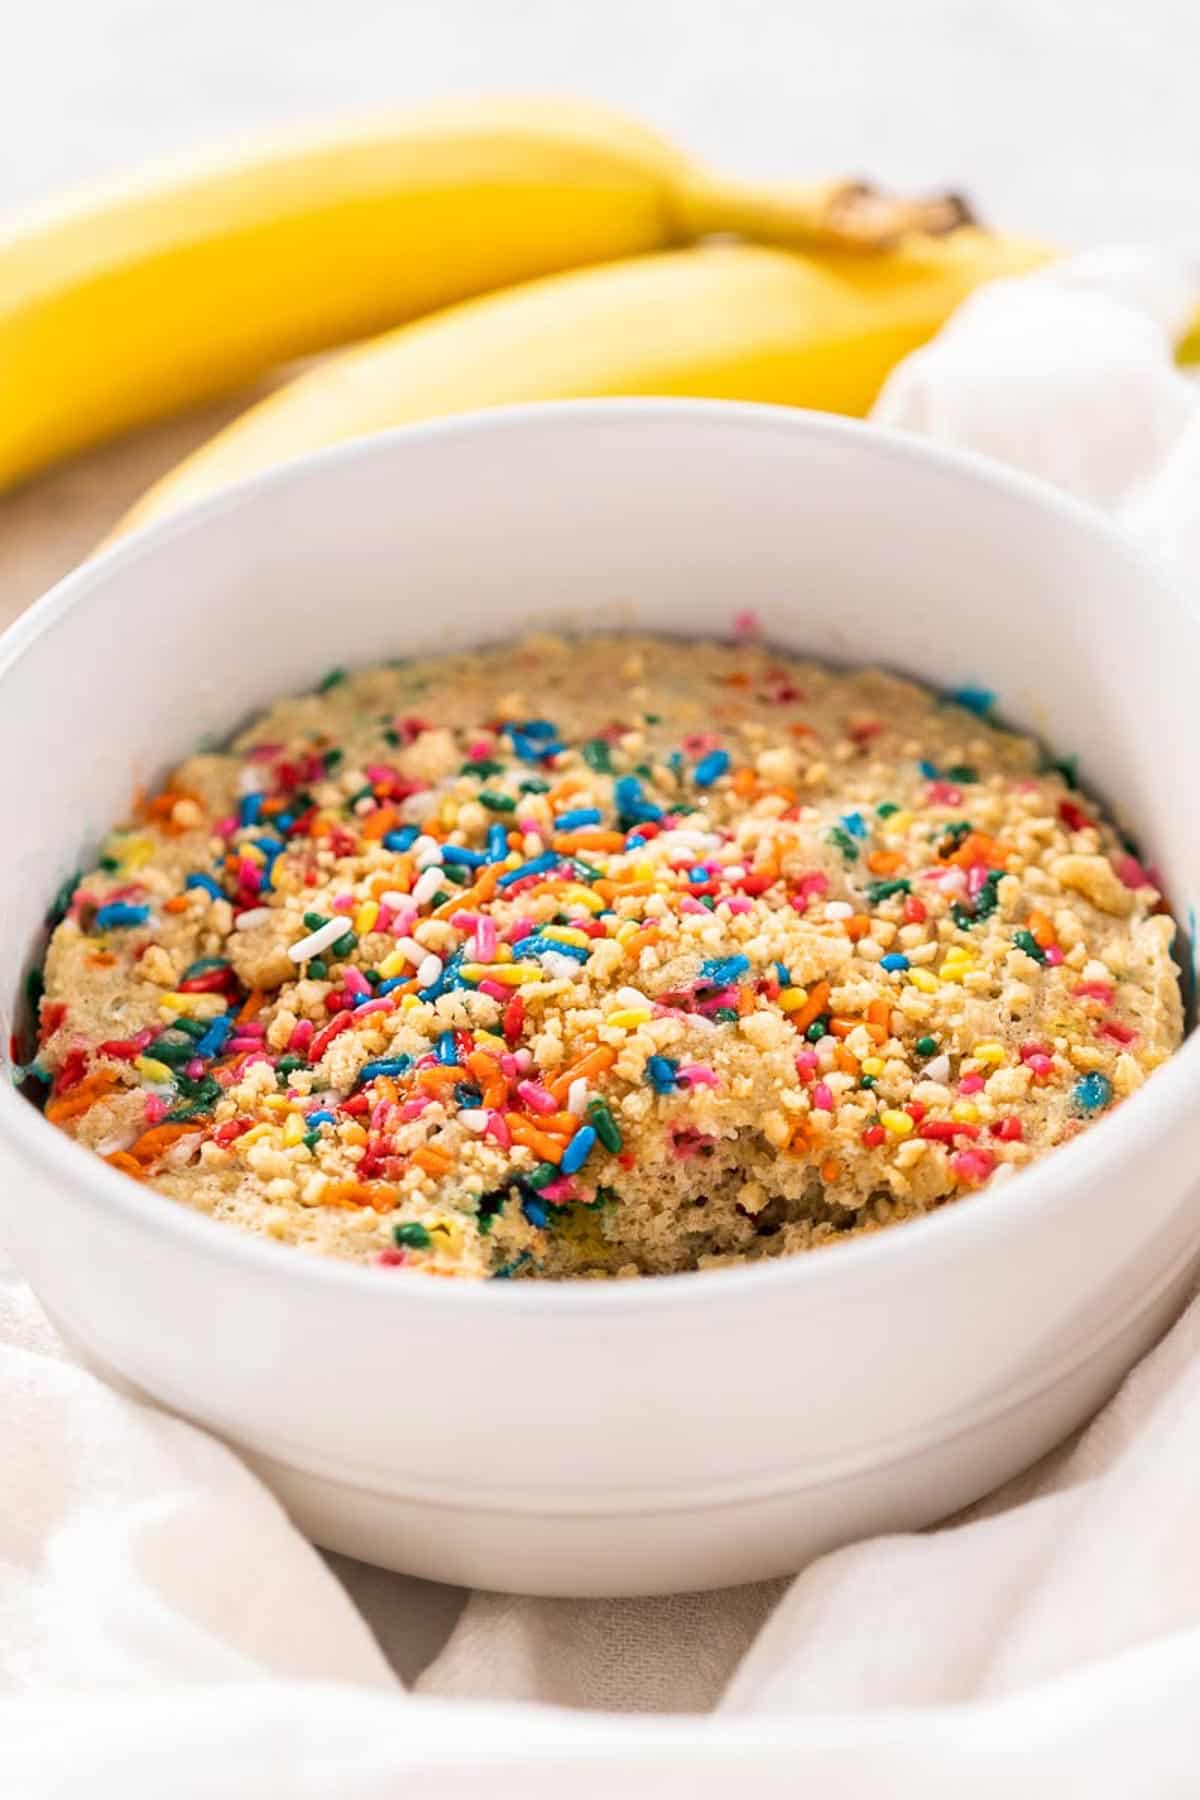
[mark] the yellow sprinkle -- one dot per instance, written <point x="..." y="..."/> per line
<point x="793" y="998"/>
<point x="567" y="934"/>
<point x="255" y="1134"/>
<point x="504" y="953"/>
<point x="446" y="1234"/>
<point x="628" y="1018"/>
<point x="486" y="1040"/>
<point x="898" y="1123"/>
<point x="964" y="1112"/>
<point x="135" y="853"/>
<point x="293" y="1131"/>
<point x="150" y="1069"/>
<point x="394" y="963"/>
<point x="923" y="979"/>
<point x="508" y="974"/>
<point x="643" y="871"/>
<point x="955" y="969"/>
<point x="352" y="1133"/>
<point x="365" y="917"/>
<point x="626" y="929"/>
<point x="583" y="896"/>
<point x="175" y="1003"/>
<point x="253" y="852"/>
<point x="989" y="1051"/>
<point x="449" y="812"/>
<point x="408" y="1001"/>
<point x="872" y="1065"/>
<point x="274" y="1103"/>
<point x="899" y="822"/>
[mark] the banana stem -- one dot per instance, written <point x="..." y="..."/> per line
<point x="850" y="215"/>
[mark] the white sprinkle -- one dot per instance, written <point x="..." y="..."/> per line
<point x="427" y="853"/>
<point x="561" y="968"/>
<point x="427" y="885"/>
<point x="429" y="970"/>
<point x="475" y="1119"/>
<point x="630" y="996"/>
<point x="251" y="781"/>
<point x="318" y="940"/>
<point x="735" y="871"/>
<point x="577" y="1096"/>
<point x="254" y="915"/>
<point x="839" y="909"/>
<point x="395" y="900"/>
<point x="825" y="1046"/>
<point x="416" y="953"/>
<point x="938" y="1069"/>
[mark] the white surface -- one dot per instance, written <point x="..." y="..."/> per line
<point x="639" y="1457"/>
<point x="1076" y="118"/>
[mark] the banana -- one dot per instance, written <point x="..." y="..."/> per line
<point x="131" y="302"/>
<point x="734" y="322"/>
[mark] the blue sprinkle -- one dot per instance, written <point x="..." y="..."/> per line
<point x="699" y="873"/>
<point x="632" y="804"/>
<point x="214" y="1039"/>
<point x="470" y="859"/>
<point x="784" y="976"/>
<point x="207" y="883"/>
<point x="635" y="841"/>
<point x="383" y="1065"/>
<point x="721" y="970"/>
<point x="284" y="822"/>
<point x="404" y="839"/>
<point x="660" y="1073"/>
<point x="447" y="1049"/>
<point x="979" y="700"/>
<point x="540" y="865"/>
<point x="466" y="1095"/>
<point x="540" y="946"/>
<point x="855" y="824"/>
<point x="893" y="962"/>
<point x="388" y="987"/>
<point x="710" y="768"/>
<point x="538" y="728"/>
<point x="119" y="913"/>
<point x="536" y="1211"/>
<point x="1093" y="1092"/>
<point x="497" y="843"/>
<point x="929" y="770"/>
<point x="320" y="1118"/>
<point x="250" y="809"/>
<point x="582" y="815"/>
<point x="578" y="1150"/>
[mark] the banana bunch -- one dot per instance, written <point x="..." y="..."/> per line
<point x="508" y="251"/>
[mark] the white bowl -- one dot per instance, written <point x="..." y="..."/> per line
<point x="634" y="1436"/>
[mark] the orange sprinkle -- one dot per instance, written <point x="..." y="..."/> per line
<point x="381" y="821"/>
<point x="978" y="847"/>
<point x="592" y="838"/>
<point x="176" y="904"/>
<point x="884" y="862"/>
<point x="880" y="1013"/>
<point x="433" y="1080"/>
<point x="846" y="1060"/>
<point x="813" y="1008"/>
<point x="101" y="959"/>
<point x="738" y="679"/>
<point x="252" y="1005"/>
<point x="151" y="1145"/>
<point x="857" y="927"/>
<point x="376" y="1194"/>
<point x="482" y="890"/>
<point x="621" y="890"/>
<point x="562" y="790"/>
<point x="433" y="1160"/>
<point x="549" y="1148"/>
<point x="82" y="1096"/>
<point x="745" y="782"/>
<point x="641" y="940"/>
<point x="830" y="1170"/>
<point x="594" y="1063"/>
<point x="1042" y="929"/>
<point x="121" y="1159"/>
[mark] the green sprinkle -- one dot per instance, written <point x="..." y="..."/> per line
<point x="606" y="1127"/>
<point x="334" y="677"/>
<point x="315" y="920"/>
<point x="1025" y="940"/>
<point x="195" y="1028"/>
<point x="597" y="755"/>
<point x="392" y="737"/>
<point x="1068" y="768"/>
<point x="725" y="1015"/>
<point x="332" y="758"/>
<point x="543" y="1175"/>
<point x="459" y="876"/>
<point x="533" y="784"/>
<point x="883" y="890"/>
<point x="886" y="809"/>
<point x="287" y="1065"/>
<point x="652" y="718"/>
<point x="817" y="1030"/>
<point x="963" y="773"/>
<point x="844" y="842"/>
<point x="439" y="899"/>
<point x="171" y="1050"/>
<point x="317" y="969"/>
<point x="953" y="835"/>
<point x="867" y="1081"/>
<point x="344" y="946"/>
<point x="311" y="1139"/>
<point x="926" y="1046"/>
<point x="501" y="803"/>
<point x="365" y="792"/>
<point x="483" y="768"/>
<point x="586" y="871"/>
<point x="412" y="1236"/>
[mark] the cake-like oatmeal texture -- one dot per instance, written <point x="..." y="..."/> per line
<point x="611" y="956"/>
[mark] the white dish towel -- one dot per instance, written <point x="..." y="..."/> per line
<point x="165" y="1632"/>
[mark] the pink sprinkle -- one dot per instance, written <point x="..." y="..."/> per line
<point x="1131" y="872"/>
<point x="697" y="742"/>
<point x="972" y="1165"/>
<point x="533" y="1094"/>
<point x="479" y="751"/>
<point x="1033" y="1047"/>
<point x="355" y="982"/>
<point x="1053" y="954"/>
<point x="688" y="905"/>
<point x="249" y="875"/>
<point x="379" y="1113"/>
<point x="406" y="917"/>
<point x="1118" y="1031"/>
<point x="811" y="885"/>
<point x="746" y="624"/>
<point x="252" y="1028"/>
<point x="520" y="928"/>
<point x="381" y="772"/>
<point x="226" y="827"/>
<point x="822" y="1097"/>
<point x="258" y="1055"/>
<point x="508" y="1064"/>
<point x="559" y="1192"/>
<point x="344" y="903"/>
<point x="485" y="938"/>
<point x="302" y="1035"/>
<point x="194" y="1069"/>
<point x="527" y="825"/>
<point x="391" y="1259"/>
<point x="807" y="1064"/>
<point x="464" y="921"/>
<point x="245" y="1043"/>
<point x="494" y="988"/>
<point x="523" y="1059"/>
<point x="497" y="1128"/>
<point x="412" y="1109"/>
<point x="156" y="1109"/>
<point x="697" y="1075"/>
<point x="384" y="921"/>
<point x="1041" y="1065"/>
<point x="263" y="752"/>
<point x="1093" y="990"/>
<point x="971" y="1084"/>
<point x="738" y="903"/>
<point x="944" y="793"/>
<point x="977" y="876"/>
<point x="384" y="1004"/>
